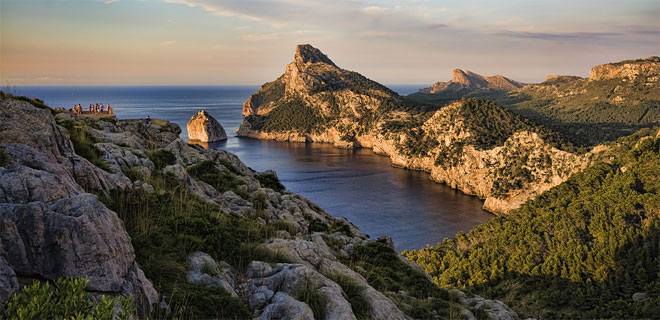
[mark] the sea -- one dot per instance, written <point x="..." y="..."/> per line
<point x="356" y="184"/>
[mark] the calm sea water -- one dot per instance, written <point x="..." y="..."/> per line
<point x="356" y="184"/>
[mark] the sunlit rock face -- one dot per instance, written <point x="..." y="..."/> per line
<point x="203" y="127"/>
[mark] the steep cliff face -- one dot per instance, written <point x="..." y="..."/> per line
<point x="630" y="69"/>
<point x="471" y="145"/>
<point x="464" y="79"/>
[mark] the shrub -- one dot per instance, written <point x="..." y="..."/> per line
<point x="208" y="172"/>
<point x="65" y="299"/>
<point x="317" y="225"/>
<point x="310" y="295"/>
<point x="83" y="143"/>
<point x="354" y="294"/>
<point x="4" y="158"/>
<point x="134" y="174"/>
<point x="161" y="158"/>
<point x="270" y="180"/>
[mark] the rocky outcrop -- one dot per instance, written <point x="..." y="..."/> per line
<point x="203" y="127"/>
<point x="365" y="114"/>
<point x="49" y="226"/>
<point x="628" y="69"/>
<point x="206" y="271"/>
<point x="464" y="79"/>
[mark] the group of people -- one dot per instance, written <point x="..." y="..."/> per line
<point x="94" y="109"/>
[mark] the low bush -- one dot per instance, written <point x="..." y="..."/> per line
<point x="65" y="299"/>
<point x="270" y="180"/>
<point x="354" y="294"/>
<point x="208" y="172"/>
<point x="310" y="295"/>
<point x="161" y="158"/>
<point x="83" y="143"/>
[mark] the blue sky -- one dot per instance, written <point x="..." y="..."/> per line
<point x="152" y="42"/>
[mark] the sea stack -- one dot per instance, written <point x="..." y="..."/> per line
<point x="203" y="127"/>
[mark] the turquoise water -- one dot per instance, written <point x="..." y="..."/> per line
<point x="356" y="184"/>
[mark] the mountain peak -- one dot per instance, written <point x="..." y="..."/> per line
<point x="465" y="79"/>
<point x="305" y="54"/>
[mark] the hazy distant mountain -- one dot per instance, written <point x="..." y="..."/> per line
<point x="464" y="79"/>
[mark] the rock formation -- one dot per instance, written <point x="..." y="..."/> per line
<point x="203" y="127"/>
<point x="50" y="227"/>
<point x="628" y="69"/>
<point x="341" y="107"/>
<point x="463" y="79"/>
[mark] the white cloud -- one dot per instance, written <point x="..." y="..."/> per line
<point x="110" y="1"/>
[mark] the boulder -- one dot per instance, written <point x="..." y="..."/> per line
<point x="206" y="271"/>
<point x="284" y="307"/>
<point x="203" y="127"/>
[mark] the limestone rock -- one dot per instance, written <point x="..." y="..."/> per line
<point x="284" y="307"/>
<point x="630" y="69"/>
<point x="493" y="308"/>
<point x="203" y="127"/>
<point x="287" y="278"/>
<point x="8" y="282"/>
<point x="76" y="237"/>
<point x="639" y="296"/>
<point x="206" y="271"/>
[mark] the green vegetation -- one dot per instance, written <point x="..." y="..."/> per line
<point x="290" y="114"/>
<point x="585" y="112"/>
<point x="380" y="265"/>
<point x="208" y="172"/>
<point x="35" y="102"/>
<point x="4" y="158"/>
<point x="65" y="299"/>
<point x="579" y="250"/>
<point x="270" y="180"/>
<point x="354" y="295"/>
<point x="167" y="225"/>
<point x="310" y="295"/>
<point x="83" y="143"/>
<point x="161" y="158"/>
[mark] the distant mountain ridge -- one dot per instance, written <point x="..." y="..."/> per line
<point x="464" y="79"/>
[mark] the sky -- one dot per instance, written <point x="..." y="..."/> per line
<point x="221" y="42"/>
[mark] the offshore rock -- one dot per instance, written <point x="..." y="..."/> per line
<point x="203" y="127"/>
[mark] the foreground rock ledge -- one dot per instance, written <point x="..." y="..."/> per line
<point x="204" y="128"/>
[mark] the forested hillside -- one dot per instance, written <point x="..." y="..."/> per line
<point x="617" y="100"/>
<point x="587" y="248"/>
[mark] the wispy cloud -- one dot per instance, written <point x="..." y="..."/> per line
<point x="167" y="43"/>
<point x="110" y="1"/>
<point x="558" y="36"/>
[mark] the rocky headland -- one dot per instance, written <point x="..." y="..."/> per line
<point x="472" y="145"/>
<point x="189" y="231"/>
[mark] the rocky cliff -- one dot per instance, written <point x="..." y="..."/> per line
<point x="464" y="79"/>
<point x="204" y="128"/>
<point x="214" y="237"/>
<point x="472" y="145"/>
<point x="628" y="69"/>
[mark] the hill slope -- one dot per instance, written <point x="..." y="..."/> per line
<point x="616" y="100"/>
<point x="473" y="145"/>
<point x="588" y="248"/>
